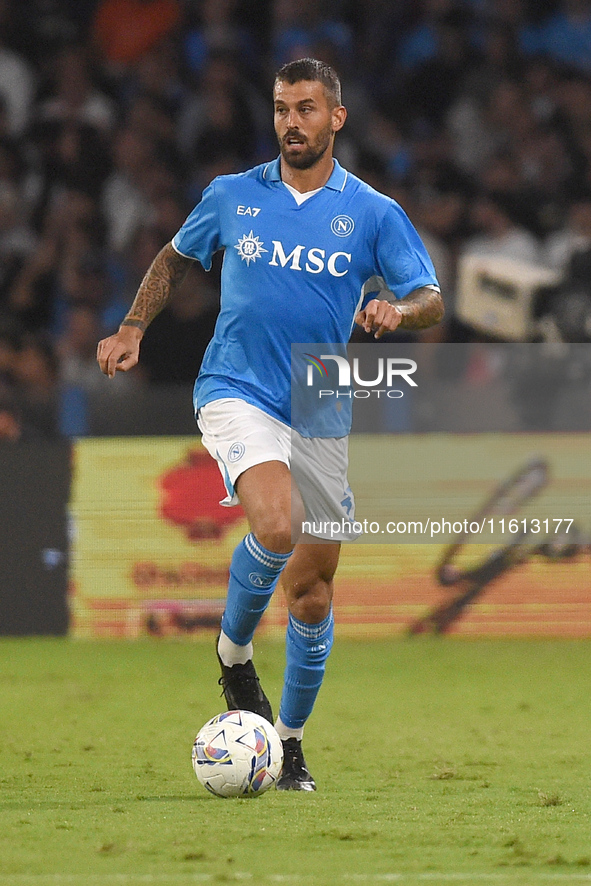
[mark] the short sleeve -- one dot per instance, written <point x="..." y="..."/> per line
<point x="199" y="237"/>
<point x="403" y="261"/>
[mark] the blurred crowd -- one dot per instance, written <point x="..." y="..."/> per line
<point x="115" y="114"/>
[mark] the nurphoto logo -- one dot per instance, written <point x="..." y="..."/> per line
<point x="387" y="372"/>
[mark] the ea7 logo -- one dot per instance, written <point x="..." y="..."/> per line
<point x="248" y="210"/>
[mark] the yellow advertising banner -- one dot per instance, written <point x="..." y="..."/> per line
<point x="151" y="544"/>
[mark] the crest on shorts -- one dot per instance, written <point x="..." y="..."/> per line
<point x="249" y="248"/>
<point x="236" y="451"/>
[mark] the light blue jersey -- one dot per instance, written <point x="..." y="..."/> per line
<point x="292" y="274"/>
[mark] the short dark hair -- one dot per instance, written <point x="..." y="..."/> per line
<point x="312" y="69"/>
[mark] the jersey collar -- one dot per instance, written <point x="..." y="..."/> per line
<point x="336" y="182"/>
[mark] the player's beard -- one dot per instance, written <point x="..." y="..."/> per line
<point x="312" y="153"/>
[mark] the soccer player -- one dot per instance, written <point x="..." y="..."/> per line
<point x="301" y="236"/>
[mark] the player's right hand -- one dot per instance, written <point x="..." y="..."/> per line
<point x="119" y="352"/>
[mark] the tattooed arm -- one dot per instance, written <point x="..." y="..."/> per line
<point x="164" y="276"/>
<point x="417" y="310"/>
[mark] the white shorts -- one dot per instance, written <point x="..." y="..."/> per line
<point x="239" y="435"/>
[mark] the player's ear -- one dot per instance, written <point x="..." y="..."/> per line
<point x="339" y="115"/>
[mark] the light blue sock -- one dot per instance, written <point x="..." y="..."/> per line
<point x="254" y="572"/>
<point x="307" y="648"/>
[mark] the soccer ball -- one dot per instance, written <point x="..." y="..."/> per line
<point x="237" y="754"/>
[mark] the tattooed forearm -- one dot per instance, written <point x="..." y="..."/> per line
<point x="420" y="309"/>
<point x="164" y="276"/>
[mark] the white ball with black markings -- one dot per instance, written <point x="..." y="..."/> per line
<point x="237" y="754"/>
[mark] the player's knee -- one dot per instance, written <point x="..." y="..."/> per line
<point x="311" y="605"/>
<point x="275" y="535"/>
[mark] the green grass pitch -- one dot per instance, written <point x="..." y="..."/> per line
<point x="437" y="761"/>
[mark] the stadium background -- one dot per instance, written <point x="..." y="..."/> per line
<point x="114" y="115"/>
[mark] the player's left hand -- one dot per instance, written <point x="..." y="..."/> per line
<point x="379" y="316"/>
